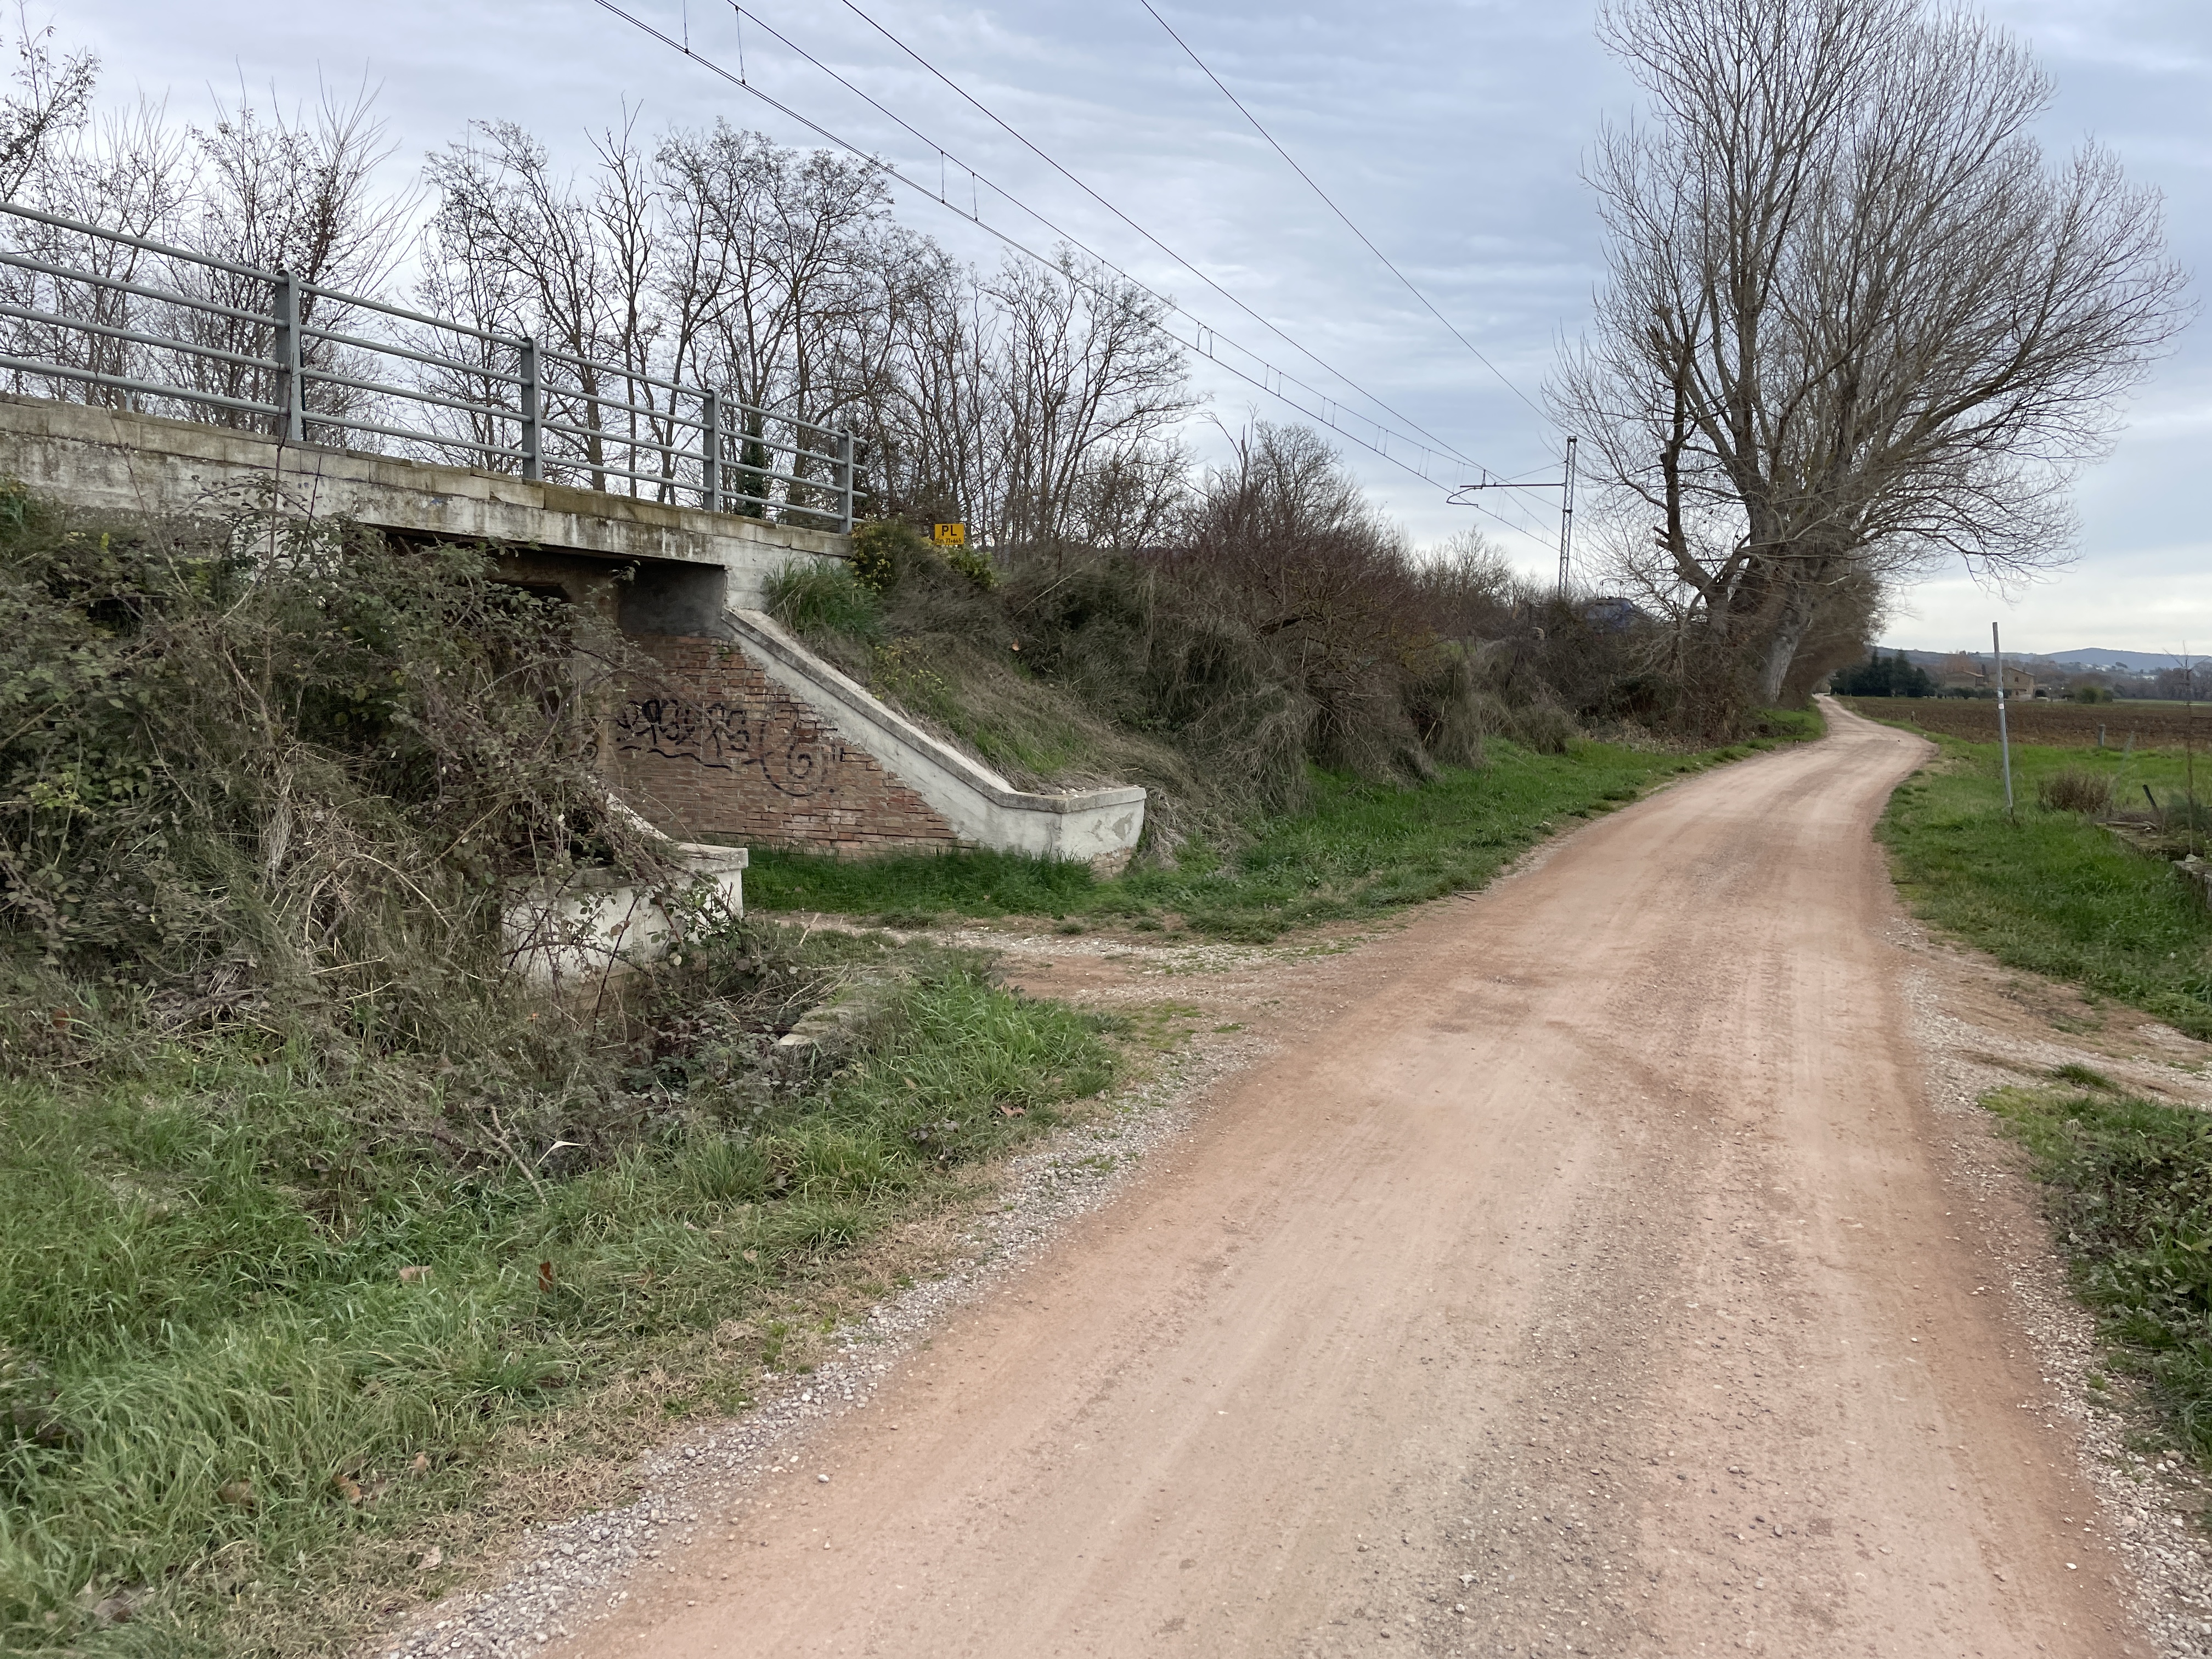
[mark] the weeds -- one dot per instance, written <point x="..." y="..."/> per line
<point x="818" y="599"/>
<point x="1362" y="848"/>
<point x="2131" y="1204"/>
<point x="2074" y="789"/>
<point x="253" y="1310"/>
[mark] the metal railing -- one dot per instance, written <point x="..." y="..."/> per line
<point x="97" y="316"/>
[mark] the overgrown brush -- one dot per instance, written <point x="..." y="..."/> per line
<point x="1283" y="627"/>
<point x="273" y="764"/>
<point x="2074" y="789"/>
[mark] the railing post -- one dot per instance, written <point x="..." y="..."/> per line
<point x="710" y="451"/>
<point x="290" y="400"/>
<point x="845" y="483"/>
<point x="532" y="444"/>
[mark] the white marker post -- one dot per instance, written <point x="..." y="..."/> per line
<point x="2004" y="741"/>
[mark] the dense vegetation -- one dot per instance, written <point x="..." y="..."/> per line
<point x="1883" y="677"/>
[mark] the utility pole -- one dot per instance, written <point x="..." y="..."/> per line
<point x="2004" y="740"/>
<point x="1565" y="486"/>
<point x="1566" y="519"/>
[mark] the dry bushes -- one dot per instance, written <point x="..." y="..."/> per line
<point x="265" y="763"/>
<point x="1284" y="626"/>
<point x="2072" y="789"/>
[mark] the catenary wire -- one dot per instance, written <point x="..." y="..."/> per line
<point x="1023" y="249"/>
<point x="1204" y="331"/>
<point x="1317" y="189"/>
<point x="1023" y="139"/>
<point x="1441" y="448"/>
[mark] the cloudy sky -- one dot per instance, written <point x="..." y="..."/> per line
<point x="1451" y="133"/>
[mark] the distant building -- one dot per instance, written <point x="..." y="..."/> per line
<point x="1966" y="674"/>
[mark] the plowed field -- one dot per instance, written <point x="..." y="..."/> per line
<point x="2155" y="724"/>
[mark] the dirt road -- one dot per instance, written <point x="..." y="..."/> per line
<point x="1588" y="1282"/>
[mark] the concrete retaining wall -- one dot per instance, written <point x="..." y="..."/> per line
<point x="749" y="734"/>
<point x="591" y="927"/>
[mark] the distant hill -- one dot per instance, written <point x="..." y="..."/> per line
<point x="2133" y="661"/>
<point x="2139" y="661"/>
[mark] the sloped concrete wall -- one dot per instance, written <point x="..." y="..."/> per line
<point x="1099" y="827"/>
<point x="747" y="734"/>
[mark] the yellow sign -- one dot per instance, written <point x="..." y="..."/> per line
<point x="950" y="535"/>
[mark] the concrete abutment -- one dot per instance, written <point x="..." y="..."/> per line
<point x="738" y="732"/>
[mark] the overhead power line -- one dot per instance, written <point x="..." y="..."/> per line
<point x="1023" y="140"/>
<point x="1266" y="377"/>
<point x="1502" y="377"/>
<point x="1209" y="338"/>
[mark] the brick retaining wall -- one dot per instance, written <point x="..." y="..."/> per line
<point x="712" y="747"/>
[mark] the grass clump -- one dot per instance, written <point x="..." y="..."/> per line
<point x="1361" y="849"/>
<point x="2051" y="892"/>
<point x="2131" y="1204"/>
<point x="256" y="1312"/>
<point x="2074" y="789"/>
<point x="826" y="599"/>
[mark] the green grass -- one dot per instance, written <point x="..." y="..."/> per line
<point x="2052" y="892"/>
<point x="215" y="1378"/>
<point x="1363" y="849"/>
<point x="2131" y="1204"/>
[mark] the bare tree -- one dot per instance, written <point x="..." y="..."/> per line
<point x="295" y="193"/>
<point x="1855" y="322"/>
<point x="1041" y="406"/>
<point x="1088" y="384"/>
<point x="50" y="99"/>
<point x="256" y="188"/>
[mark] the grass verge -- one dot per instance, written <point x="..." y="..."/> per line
<point x="2051" y="892"/>
<point x="251" y="1332"/>
<point x="1363" y="848"/>
<point x="2130" y="1196"/>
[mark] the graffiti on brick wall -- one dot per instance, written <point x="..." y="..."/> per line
<point x="795" y="758"/>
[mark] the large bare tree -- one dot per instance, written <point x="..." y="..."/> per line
<point x="1856" y="323"/>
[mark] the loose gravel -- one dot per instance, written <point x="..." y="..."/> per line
<point x="2153" y="1501"/>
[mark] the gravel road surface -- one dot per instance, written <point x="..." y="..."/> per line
<point x="1589" y="1278"/>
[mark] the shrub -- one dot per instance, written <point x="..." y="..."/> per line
<point x="972" y="563"/>
<point x="1543" y="726"/>
<point x="825" y="598"/>
<point x="2072" y="789"/>
<point x="276" y="763"/>
<point x="881" y="547"/>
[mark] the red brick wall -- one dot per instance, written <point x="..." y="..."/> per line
<point x="711" y="746"/>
